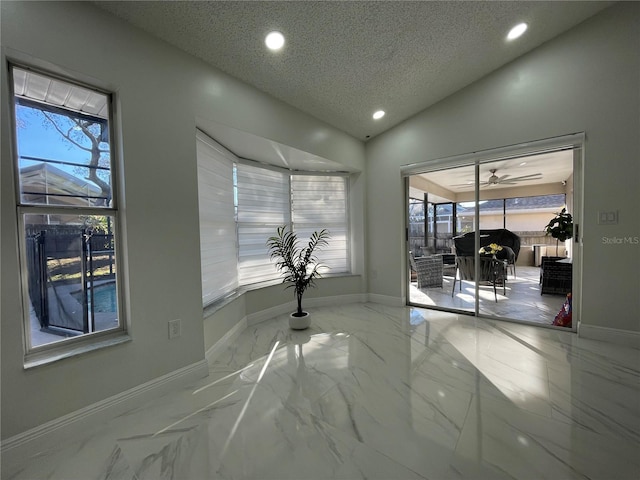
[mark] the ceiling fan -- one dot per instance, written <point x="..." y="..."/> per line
<point x="502" y="180"/>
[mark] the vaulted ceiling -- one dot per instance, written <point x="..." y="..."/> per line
<point x="343" y="60"/>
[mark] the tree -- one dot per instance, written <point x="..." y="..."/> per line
<point x="79" y="132"/>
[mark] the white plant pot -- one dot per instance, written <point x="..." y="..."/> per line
<point x="300" y="323"/>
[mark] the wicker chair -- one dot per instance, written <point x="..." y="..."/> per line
<point x="555" y="276"/>
<point x="429" y="271"/>
<point x="547" y="259"/>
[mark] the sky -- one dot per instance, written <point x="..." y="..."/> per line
<point x="37" y="140"/>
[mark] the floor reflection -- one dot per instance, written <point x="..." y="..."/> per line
<point x="378" y="392"/>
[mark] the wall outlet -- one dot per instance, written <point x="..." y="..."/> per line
<point x="175" y="328"/>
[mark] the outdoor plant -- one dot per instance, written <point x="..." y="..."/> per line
<point x="560" y="227"/>
<point x="299" y="265"/>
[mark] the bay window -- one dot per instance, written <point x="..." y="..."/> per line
<point x="264" y="198"/>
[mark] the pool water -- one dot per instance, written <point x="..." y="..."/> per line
<point x="104" y="296"/>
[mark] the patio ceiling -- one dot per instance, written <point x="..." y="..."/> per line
<point x="554" y="167"/>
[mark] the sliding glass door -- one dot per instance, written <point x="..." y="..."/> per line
<point x="476" y="235"/>
<point x="434" y="280"/>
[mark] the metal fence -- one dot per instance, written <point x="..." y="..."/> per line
<point x="64" y="264"/>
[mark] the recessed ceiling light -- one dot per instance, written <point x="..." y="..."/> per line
<point x="274" y="41"/>
<point x="378" y="115"/>
<point x="517" y="31"/>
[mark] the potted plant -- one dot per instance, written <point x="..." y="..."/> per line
<point x="560" y="227"/>
<point x="299" y="266"/>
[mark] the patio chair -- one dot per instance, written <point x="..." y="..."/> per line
<point x="556" y="276"/>
<point x="510" y="256"/>
<point x="492" y="271"/>
<point x="412" y="267"/>
<point x="449" y="264"/>
<point x="429" y="271"/>
<point x="543" y="261"/>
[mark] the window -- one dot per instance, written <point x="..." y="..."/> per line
<point x="271" y="197"/>
<point x="317" y="202"/>
<point x="67" y="208"/>
<point x="242" y="203"/>
<point x="263" y="206"/>
<point x="218" y="250"/>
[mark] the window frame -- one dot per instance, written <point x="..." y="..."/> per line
<point x="290" y="173"/>
<point x="67" y="346"/>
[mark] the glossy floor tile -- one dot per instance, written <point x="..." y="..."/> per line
<point x="376" y="392"/>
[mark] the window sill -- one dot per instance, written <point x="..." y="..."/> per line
<point x="38" y="359"/>
<point x="213" y="307"/>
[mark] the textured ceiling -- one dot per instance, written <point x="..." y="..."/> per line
<point x="344" y="60"/>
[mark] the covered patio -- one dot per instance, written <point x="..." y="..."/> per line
<point x="522" y="301"/>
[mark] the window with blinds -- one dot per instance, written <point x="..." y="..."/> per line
<point x="317" y="202"/>
<point x="243" y="203"/>
<point x="218" y="244"/>
<point x="263" y="206"/>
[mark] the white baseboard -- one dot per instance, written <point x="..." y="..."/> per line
<point x="387" y="300"/>
<point x="289" y="307"/>
<point x="217" y="348"/>
<point x="104" y="409"/>
<point x="269" y="313"/>
<point x="612" y="335"/>
<point x="337" y="300"/>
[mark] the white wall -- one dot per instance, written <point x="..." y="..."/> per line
<point x="587" y="80"/>
<point x="160" y="93"/>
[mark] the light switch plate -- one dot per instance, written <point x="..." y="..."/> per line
<point x="608" y="218"/>
<point x="175" y="328"/>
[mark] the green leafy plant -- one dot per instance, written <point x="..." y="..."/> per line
<point x="560" y="227"/>
<point x="299" y="265"/>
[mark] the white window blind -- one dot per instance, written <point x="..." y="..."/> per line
<point x="218" y="245"/>
<point x="317" y="202"/>
<point x="263" y="205"/>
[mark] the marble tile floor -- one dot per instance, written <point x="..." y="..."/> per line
<point x="375" y="392"/>
<point x="521" y="301"/>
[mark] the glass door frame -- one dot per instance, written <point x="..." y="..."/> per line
<point x="575" y="142"/>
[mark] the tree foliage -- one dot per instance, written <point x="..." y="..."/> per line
<point x="560" y="227"/>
